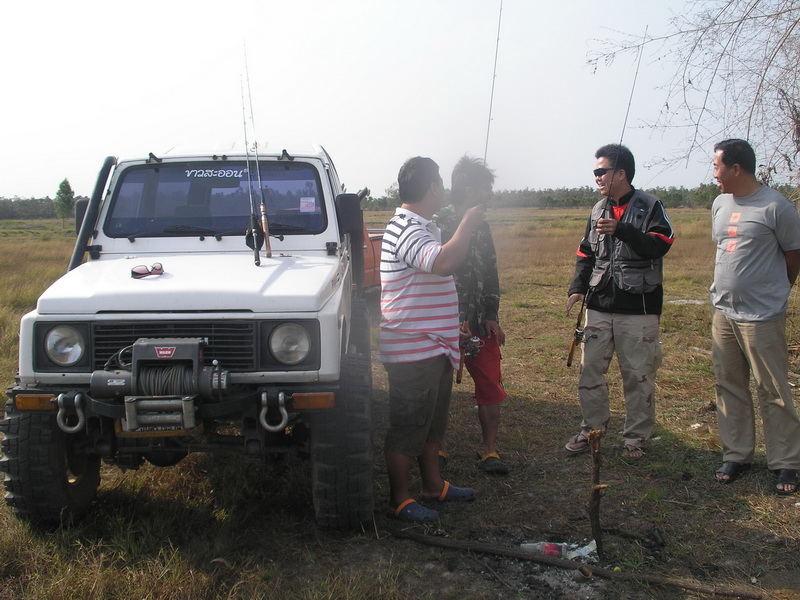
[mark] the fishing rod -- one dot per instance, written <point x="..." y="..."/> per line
<point x="253" y="229"/>
<point x="263" y="206"/>
<point x="579" y="336"/>
<point x="494" y="76"/>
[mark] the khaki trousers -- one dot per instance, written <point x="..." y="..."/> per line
<point x="635" y="340"/>
<point x="759" y="347"/>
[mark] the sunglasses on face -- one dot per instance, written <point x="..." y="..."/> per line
<point x="144" y="270"/>
<point x="599" y="172"/>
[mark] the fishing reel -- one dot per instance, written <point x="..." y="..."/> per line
<point x="471" y="346"/>
<point x="581" y="337"/>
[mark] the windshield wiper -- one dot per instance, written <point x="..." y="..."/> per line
<point x="285" y="227"/>
<point x="187" y="229"/>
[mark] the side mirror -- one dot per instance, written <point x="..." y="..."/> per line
<point x="81" y="205"/>
<point x="351" y="221"/>
<point x="349" y="215"/>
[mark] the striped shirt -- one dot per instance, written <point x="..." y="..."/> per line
<point x="419" y="310"/>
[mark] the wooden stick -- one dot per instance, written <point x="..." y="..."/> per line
<point x="586" y="570"/>
<point x="595" y="436"/>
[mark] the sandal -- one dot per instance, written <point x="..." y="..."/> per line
<point x="451" y="493"/>
<point x="787" y="477"/>
<point x="633" y="451"/>
<point x="578" y="443"/>
<point x="413" y="512"/>
<point x="733" y="470"/>
<point x="491" y="463"/>
<point x="442" y="460"/>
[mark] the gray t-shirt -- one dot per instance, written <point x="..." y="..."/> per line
<point x="752" y="233"/>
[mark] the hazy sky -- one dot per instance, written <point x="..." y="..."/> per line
<point x="374" y="81"/>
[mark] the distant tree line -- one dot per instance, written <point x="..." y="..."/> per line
<point x="31" y="208"/>
<point x="62" y="207"/>
<point x="672" y="197"/>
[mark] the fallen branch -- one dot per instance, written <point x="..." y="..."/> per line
<point x="585" y="570"/>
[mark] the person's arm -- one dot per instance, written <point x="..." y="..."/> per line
<point x="491" y="290"/>
<point x="573" y="299"/>
<point x="653" y="243"/>
<point x="792" y="264"/>
<point x="453" y="252"/>
<point x="490" y="295"/>
<point x="584" y="263"/>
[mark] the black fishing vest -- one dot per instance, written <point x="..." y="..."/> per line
<point x="616" y="259"/>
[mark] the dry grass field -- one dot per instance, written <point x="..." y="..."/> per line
<point x="219" y="527"/>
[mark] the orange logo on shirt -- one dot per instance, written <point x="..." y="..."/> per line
<point x="732" y="230"/>
<point x="735" y="217"/>
<point x="731" y="246"/>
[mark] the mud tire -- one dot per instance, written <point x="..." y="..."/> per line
<point x="341" y="451"/>
<point x="47" y="479"/>
<point x="360" y="340"/>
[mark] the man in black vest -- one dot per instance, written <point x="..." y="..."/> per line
<point x="618" y="274"/>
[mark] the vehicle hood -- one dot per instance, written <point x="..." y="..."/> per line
<point x="196" y="282"/>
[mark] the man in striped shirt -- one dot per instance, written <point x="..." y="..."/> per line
<point x="419" y="342"/>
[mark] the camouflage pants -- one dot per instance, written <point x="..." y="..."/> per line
<point x="634" y="338"/>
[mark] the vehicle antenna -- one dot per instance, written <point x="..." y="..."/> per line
<point x="253" y="229"/>
<point x="264" y="220"/>
<point x="579" y="337"/>
<point x="494" y="76"/>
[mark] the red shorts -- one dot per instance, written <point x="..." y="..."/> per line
<point x="484" y="368"/>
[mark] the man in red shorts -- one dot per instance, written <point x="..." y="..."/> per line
<point x="478" y="286"/>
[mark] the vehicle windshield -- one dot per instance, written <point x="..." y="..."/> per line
<point x="210" y="198"/>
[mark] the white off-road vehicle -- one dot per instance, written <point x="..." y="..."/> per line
<point x="174" y="336"/>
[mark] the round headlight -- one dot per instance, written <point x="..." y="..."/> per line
<point x="290" y="343"/>
<point x="64" y="345"/>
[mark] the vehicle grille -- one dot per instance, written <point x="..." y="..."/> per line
<point x="233" y="344"/>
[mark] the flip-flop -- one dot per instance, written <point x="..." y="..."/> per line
<point x="491" y="463"/>
<point x="451" y="493"/>
<point x="787" y="477"/>
<point x="733" y="470"/>
<point x="632" y="451"/>
<point x="577" y="444"/>
<point x="412" y="511"/>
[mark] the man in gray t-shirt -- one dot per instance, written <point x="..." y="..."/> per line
<point x="757" y="232"/>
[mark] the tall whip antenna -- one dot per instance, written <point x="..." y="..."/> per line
<point x="633" y="87"/>
<point x="263" y="205"/>
<point x="579" y="337"/>
<point x="494" y="76"/>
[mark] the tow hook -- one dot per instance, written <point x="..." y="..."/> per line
<point x="262" y="418"/>
<point x="70" y="403"/>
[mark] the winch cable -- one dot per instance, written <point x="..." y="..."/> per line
<point x="173" y="380"/>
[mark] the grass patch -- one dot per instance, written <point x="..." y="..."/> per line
<point x="218" y="527"/>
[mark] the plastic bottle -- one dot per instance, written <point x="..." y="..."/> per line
<point x="545" y="548"/>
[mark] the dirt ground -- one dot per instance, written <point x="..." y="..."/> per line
<point x="663" y="516"/>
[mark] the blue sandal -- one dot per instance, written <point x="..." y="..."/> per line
<point x="451" y="493"/>
<point x="413" y="512"/>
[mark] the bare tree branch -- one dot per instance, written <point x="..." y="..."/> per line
<point x="736" y="75"/>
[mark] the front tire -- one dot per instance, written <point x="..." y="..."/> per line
<point x="341" y="451"/>
<point x="48" y="477"/>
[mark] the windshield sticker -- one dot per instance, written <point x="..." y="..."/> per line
<point x="190" y="173"/>
<point x="308" y="204"/>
